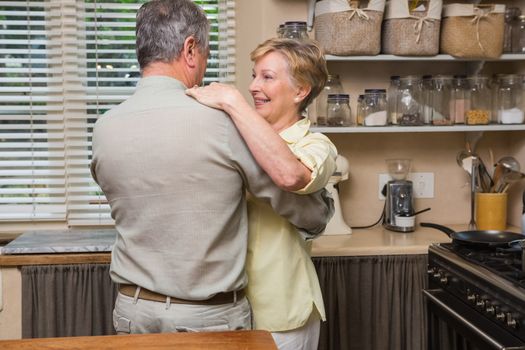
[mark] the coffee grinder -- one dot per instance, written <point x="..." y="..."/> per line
<point x="399" y="207"/>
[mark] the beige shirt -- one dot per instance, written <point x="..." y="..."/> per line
<point x="175" y="174"/>
<point x="283" y="288"/>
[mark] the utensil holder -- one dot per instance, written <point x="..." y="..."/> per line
<point x="491" y="211"/>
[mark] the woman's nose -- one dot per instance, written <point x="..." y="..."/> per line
<point x="253" y="86"/>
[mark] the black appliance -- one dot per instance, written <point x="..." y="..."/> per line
<point x="475" y="298"/>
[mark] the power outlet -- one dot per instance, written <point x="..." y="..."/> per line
<point x="423" y="184"/>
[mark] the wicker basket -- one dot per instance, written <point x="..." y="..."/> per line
<point x="416" y="34"/>
<point x="475" y="36"/>
<point x="349" y="32"/>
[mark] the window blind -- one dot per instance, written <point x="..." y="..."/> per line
<point x="63" y="63"/>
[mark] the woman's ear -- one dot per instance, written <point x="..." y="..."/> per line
<point x="302" y="93"/>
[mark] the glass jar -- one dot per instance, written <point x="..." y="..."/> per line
<point x="510" y="108"/>
<point x="374" y="105"/>
<point x="441" y="100"/>
<point x="511" y="15"/>
<point x="480" y="108"/>
<point x="427" y="89"/>
<point x="280" y="31"/>
<point x="391" y="95"/>
<point x="332" y="86"/>
<point x="459" y="99"/>
<point x="339" y="113"/>
<point x="408" y="106"/>
<point x="295" y="30"/>
<point x="360" y="112"/>
<point x="518" y="35"/>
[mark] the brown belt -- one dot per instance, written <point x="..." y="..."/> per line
<point x="217" y="299"/>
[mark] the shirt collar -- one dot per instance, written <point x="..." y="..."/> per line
<point x="297" y="131"/>
<point x="160" y="81"/>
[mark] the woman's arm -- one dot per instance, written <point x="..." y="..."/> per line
<point x="268" y="148"/>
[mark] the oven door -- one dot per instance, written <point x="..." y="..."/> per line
<point x="452" y="325"/>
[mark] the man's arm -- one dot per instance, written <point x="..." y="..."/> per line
<point x="308" y="213"/>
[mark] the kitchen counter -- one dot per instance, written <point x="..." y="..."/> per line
<point x="372" y="241"/>
<point x="379" y="241"/>
<point x="248" y="340"/>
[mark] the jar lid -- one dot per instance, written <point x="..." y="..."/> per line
<point x="375" y="91"/>
<point x="510" y="78"/>
<point x="442" y="77"/>
<point x="295" y="24"/>
<point x="338" y="96"/>
<point x="460" y="76"/>
<point x="478" y="77"/>
<point x="395" y="77"/>
<point x="426" y="77"/>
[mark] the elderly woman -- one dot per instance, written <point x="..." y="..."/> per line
<point x="283" y="288"/>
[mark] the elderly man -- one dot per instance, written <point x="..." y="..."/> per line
<point x="176" y="174"/>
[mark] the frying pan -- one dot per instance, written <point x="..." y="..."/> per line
<point x="479" y="238"/>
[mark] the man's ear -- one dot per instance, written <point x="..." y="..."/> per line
<point x="189" y="51"/>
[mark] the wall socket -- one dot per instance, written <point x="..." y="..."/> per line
<point x="423" y="184"/>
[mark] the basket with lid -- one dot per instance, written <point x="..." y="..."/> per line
<point x="473" y="31"/>
<point x="345" y="27"/>
<point x="412" y="27"/>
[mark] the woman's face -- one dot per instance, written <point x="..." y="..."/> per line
<point x="275" y="97"/>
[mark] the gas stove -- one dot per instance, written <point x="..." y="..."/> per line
<point x="480" y="293"/>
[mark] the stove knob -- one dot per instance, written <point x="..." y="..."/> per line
<point x="500" y="316"/>
<point x="437" y="274"/>
<point x="480" y="303"/>
<point x="443" y="280"/>
<point x="431" y="270"/>
<point x="511" y="322"/>
<point x="489" y="309"/>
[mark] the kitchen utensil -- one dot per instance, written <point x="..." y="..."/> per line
<point x="472" y="140"/>
<point x="479" y="238"/>
<point x="460" y="159"/>
<point x="497" y="177"/>
<point x="473" y="177"/>
<point x="510" y="163"/>
<point x="508" y="178"/>
<point x="485" y="180"/>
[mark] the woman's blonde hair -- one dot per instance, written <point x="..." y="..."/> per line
<point x="306" y="63"/>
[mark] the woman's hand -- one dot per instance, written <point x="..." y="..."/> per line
<point x="216" y="95"/>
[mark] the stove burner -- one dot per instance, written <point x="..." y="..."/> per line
<point x="505" y="262"/>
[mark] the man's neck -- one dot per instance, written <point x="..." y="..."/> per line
<point x="172" y="70"/>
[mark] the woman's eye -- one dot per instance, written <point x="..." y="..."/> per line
<point x="267" y="77"/>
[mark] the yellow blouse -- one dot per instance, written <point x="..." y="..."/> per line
<point x="283" y="288"/>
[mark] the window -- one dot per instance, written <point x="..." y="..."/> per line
<point x="63" y="63"/>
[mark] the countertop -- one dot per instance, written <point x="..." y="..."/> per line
<point x="379" y="241"/>
<point x="372" y="241"/>
<point x="236" y="340"/>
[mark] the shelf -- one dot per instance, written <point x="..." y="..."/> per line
<point x="402" y="129"/>
<point x="504" y="57"/>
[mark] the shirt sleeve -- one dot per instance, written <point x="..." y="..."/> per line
<point x="308" y="213"/>
<point x="318" y="154"/>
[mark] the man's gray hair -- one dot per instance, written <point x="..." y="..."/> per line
<point x="163" y="26"/>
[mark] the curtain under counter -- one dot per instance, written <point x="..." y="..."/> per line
<point x="373" y="302"/>
<point x="67" y="300"/>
